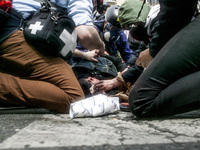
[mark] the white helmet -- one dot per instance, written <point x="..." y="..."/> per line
<point x="151" y="15"/>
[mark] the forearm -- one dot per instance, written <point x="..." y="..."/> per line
<point x="89" y="38"/>
<point x="131" y="75"/>
<point x="80" y="54"/>
<point x="123" y="46"/>
<point x="89" y="55"/>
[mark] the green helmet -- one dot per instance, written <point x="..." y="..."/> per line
<point x="129" y="10"/>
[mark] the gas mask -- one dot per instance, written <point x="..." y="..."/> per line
<point x="111" y="33"/>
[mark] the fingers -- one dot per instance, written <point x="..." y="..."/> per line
<point x="141" y="63"/>
<point x="138" y="62"/>
<point x="95" y="60"/>
<point x="96" y="52"/>
<point x="99" y="86"/>
<point x="90" y="55"/>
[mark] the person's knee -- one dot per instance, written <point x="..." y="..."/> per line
<point x="140" y="103"/>
<point x="133" y="104"/>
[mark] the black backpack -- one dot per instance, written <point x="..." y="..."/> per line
<point x="51" y="31"/>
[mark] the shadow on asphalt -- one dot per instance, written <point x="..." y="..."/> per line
<point x="31" y="110"/>
<point x="24" y="110"/>
<point x="176" y="146"/>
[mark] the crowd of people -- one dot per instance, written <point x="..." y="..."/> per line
<point x="153" y="66"/>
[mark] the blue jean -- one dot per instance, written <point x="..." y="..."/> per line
<point x="170" y="84"/>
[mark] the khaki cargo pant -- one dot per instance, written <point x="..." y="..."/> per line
<point x="29" y="78"/>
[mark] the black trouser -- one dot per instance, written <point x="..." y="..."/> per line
<point x="171" y="83"/>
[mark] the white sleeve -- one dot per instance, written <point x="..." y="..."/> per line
<point x="25" y="7"/>
<point x="81" y="11"/>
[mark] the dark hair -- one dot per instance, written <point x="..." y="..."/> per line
<point x="103" y="8"/>
<point x="139" y="32"/>
<point x="85" y="85"/>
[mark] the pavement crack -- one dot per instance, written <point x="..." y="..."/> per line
<point x="165" y="130"/>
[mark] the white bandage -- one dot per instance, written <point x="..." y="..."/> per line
<point x="94" y="106"/>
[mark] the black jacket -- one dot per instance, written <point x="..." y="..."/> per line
<point x="173" y="15"/>
<point x="11" y="25"/>
<point x="107" y="67"/>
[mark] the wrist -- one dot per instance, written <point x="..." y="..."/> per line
<point x="120" y="79"/>
<point x="116" y="83"/>
<point x="84" y="55"/>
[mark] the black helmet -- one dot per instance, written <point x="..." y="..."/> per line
<point x="103" y="8"/>
<point x="97" y="4"/>
<point x="111" y="15"/>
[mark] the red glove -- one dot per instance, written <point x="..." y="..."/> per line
<point x="6" y="5"/>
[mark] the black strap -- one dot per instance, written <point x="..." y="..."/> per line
<point x="140" y="10"/>
<point x="13" y="24"/>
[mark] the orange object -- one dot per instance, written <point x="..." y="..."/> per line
<point x="124" y="107"/>
<point x="125" y="104"/>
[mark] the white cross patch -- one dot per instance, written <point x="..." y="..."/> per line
<point x="69" y="40"/>
<point x="35" y="27"/>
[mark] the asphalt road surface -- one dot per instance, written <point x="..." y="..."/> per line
<point x="32" y="129"/>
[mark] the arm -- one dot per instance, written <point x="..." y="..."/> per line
<point x="144" y="58"/>
<point x="81" y="13"/>
<point x="123" y="47"/>
<point x="172" y="17"/>
<point x="90" y="55"/>
<point x="106" y="85"/>
<point x="132" y="74"/>
<point x="89" y="38"/>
